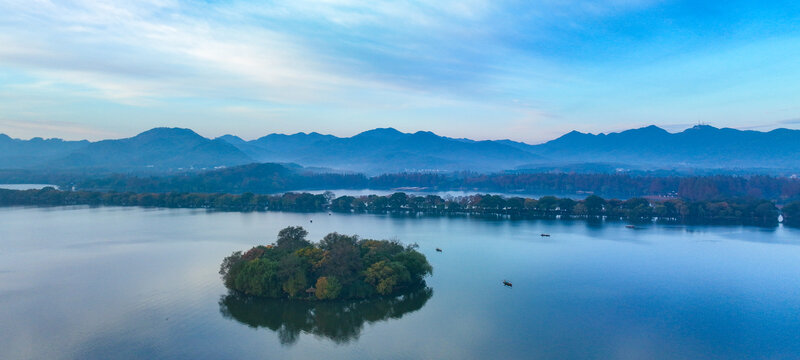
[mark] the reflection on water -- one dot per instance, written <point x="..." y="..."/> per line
<point x="132" y="283"/>
<point x="340" y="321"/>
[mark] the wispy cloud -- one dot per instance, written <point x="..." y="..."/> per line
<point x="288" y="51"/>
<point x="150" y="51"/>
<point x="773" y="125"/>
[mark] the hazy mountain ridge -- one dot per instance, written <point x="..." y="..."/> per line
<point x="387" y="150"/>
<point x="155" y="149"/>
<point x="701" y="146"/>
<point x="16" y="152"/>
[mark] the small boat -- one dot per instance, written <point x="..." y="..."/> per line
<point x="630" y="226"/>
<point x="438" y="250"/>
<point x="311" y="221"/>
<point x="507" y="283"/>
<point x="544" y="235"/>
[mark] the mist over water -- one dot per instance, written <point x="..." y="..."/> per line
<point x="99" y="283"/>
<point x="26" y="186"/>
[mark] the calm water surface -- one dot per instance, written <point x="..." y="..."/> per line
<point x="26" y="186"/>
<point x="100" y="283"/>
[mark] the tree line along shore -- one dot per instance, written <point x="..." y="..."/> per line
<point x="746" y="211"/>
<point x="275" y="178"/>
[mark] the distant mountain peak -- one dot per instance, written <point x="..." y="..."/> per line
<point x="574" y="134"/>
<point x="425" y="133"/>
<point x="647" y="130"/>
<point x="389" y="131"/>
<point x="168" y="132"/>
<point x="231" y="139"/>
<point x="701" y="127"/>
<point x="653" y="128"/>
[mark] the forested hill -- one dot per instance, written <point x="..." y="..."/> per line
<point x="16" y="153"/>
<point x="701" y="149"/>
<point x="385" y="150"/>
<point x="153" y="151"/>
<point x="648" y="148"/>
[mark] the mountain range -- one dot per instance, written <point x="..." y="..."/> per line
<point x="388" y="150"/>
<point x="155" y="150"/>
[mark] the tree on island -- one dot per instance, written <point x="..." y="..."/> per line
<point x="338" y="267"/>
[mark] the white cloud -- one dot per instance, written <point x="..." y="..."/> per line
<point x="130" y="53"/>
<point x="138" y="52"/>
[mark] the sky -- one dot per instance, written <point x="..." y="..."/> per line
<point x="521" y="70"/>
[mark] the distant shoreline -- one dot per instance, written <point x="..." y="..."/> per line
<point x="757" y="212"/>
<point x="276" y="179"/>
<point x="27" y="186"/>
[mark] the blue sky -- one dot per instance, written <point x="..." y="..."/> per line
<point x="524" y="70"/>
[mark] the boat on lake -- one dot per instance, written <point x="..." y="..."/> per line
<point x="507" y="283"/>
<point x="544" y="235"/>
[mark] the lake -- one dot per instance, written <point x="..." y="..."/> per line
<point x="132" y="283"/>
<point x="26" y="186"/>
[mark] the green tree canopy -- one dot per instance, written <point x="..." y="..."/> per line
<point x="339" y="266"/>
<point x="292" y="238"/>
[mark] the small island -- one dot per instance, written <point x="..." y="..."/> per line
<point x="338" y="267"/>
